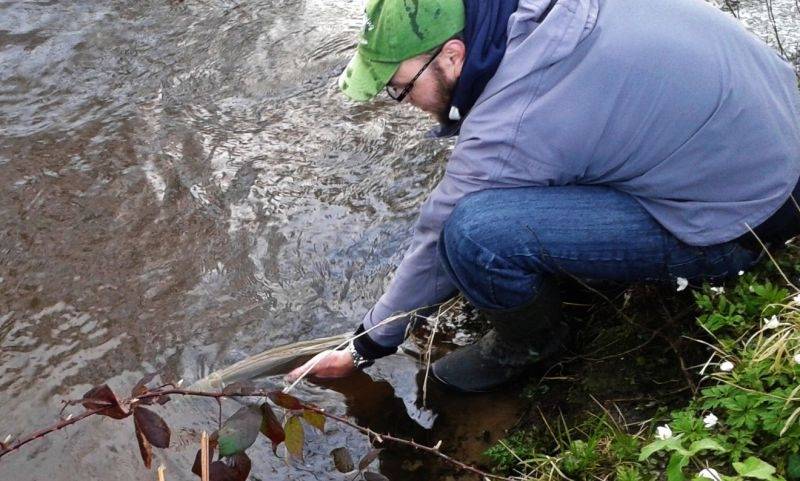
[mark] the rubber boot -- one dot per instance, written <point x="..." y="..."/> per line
<point x="519" y="338"/>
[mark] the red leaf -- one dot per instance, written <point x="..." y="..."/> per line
<point x="271" y="427"/>
<point x="152" y="426"/>
<point x="285" y="401"/>
<point x="234" y="468"/>
<point x="144" y="449"/>
<point x="103" y="397"/>
<point x="141" y="387"/>
<point x="212" y="446"/>
<point x="368" y="459"/>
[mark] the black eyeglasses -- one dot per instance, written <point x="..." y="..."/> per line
<point x="401" y="94"/>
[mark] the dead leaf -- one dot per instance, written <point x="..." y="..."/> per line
<point x="141" y="387"/>
<point x="103" y="397"/>
<point x="342" y="460"/>
<point x="144" y="448"/>
<point x="368" y="459"/>
<point x="152" y="426"/>
<point x="271" y="427"/>
<point x="234" y="468"/>
<point x="212" y="448"/>
<point x="284" y="400"/>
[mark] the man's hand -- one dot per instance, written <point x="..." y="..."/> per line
<point x="332" y="364"/>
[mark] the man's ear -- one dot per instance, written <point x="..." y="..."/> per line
<point x="451" y="58"/>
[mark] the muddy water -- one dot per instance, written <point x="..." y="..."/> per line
<point x="181" y="185"/>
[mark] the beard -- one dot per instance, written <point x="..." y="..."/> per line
<point x="444" y="95"/>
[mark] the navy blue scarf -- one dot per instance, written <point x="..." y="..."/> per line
<point x="485" y="38"/>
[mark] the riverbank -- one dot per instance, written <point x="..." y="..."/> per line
<point x="716" y="388"/>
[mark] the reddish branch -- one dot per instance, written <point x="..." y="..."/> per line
<point x="158" y="393"/>
<point x="44" y="432"/>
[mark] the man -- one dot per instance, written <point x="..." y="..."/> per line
<point x="625" y="140"/>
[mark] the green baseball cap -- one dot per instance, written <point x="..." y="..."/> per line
<point x="396" y="30"/>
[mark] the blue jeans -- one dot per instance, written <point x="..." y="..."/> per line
<point x="499" y="245"/>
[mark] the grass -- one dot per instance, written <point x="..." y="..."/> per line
<point x="719" y="369"/>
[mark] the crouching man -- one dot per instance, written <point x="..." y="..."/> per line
<point x="626" y="140"/>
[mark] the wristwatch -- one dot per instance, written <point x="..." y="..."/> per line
<point x="359" y="361"/>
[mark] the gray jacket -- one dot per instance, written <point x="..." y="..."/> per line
<point x="671" y="101"/>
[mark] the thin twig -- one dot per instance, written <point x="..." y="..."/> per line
<point x="443" y="309"/>
<point x="44" y="432"/>
<point x="262" y="393"/>
<point x="161" y="473"/>
<point x="406" y="442"/>
<point x="774" y="25"/>
<point x="764" y="246"/>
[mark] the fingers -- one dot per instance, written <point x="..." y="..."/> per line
<point x="314" y="366"/>
<point x="327" y="364"/>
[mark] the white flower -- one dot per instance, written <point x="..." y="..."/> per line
<point x="796" y="299"/>
<point x="797" y="358"/>
<point x="710" y="473"/>
<point x="682" y="283"/>
<point x="741" y="273"/>
<point x="772" y="322"/>
<point x="710" y="420"/>
<point x="717" y="290"/>
<point x="726" y="366"/>
<point x="663" y="432"/>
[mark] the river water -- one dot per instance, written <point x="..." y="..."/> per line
<point x="182" y="185"/>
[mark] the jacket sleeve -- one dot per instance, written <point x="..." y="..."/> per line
<point x="420" y="280"/>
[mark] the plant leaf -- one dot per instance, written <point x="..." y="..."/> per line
<point x="234" y="468"/>
<point x="152" y="426"/>
<point x="239" y="431"/>
<point x="368" y="459"/>
<point x="372" y="476"/>
<point x="271" y="427"/>
<point x="294" y="437"/>
<point x="144" y="448"/>
<point x="284" y="400"/>
<point x="705" y="443"/>
<point x="753" y="467"/>
<point x="342" y="460"/>
<point x="669" y="444"/>
<point x="675" y="466"/>
<point x="103" y="397"/>
<point x="141" y="387"/>
<point x="314" y="419"/>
